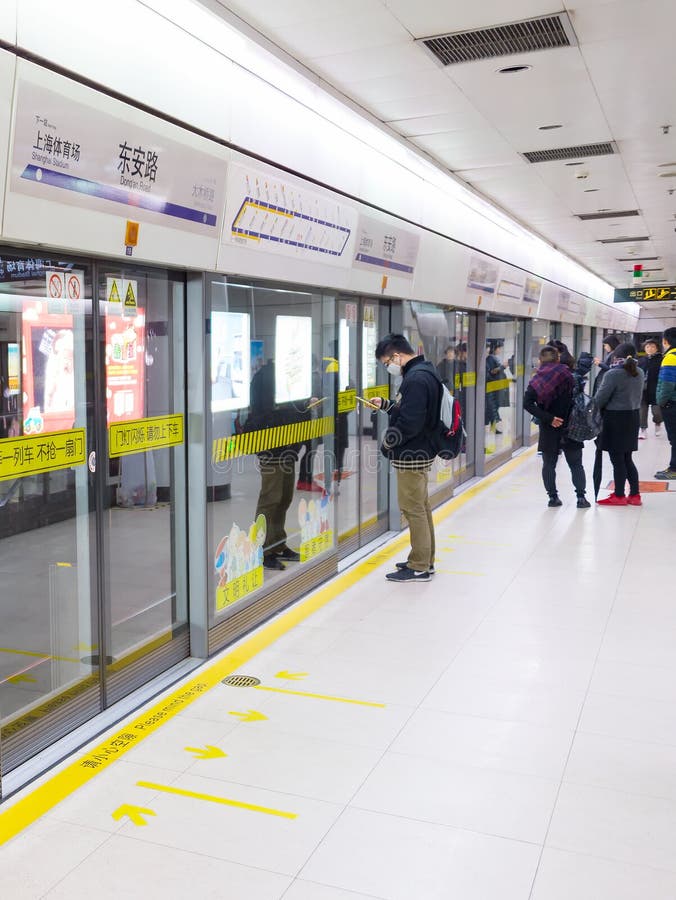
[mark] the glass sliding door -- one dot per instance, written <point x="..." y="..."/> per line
<point x="142" y="476"/>
<point x="502" y="353"/>
<point x="49" y="615"/>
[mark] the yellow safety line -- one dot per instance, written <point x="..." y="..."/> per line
<point x="43" y="656"/>
<point x="211" y="799"/>
<point x="32" y="805"/>
<point x="261" y="687"/>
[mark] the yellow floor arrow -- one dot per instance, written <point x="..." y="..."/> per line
<point x="251" y="716"/>
<point x="134" y="813"/>
<point x="291" y="676"/>
<point x="211" y="799"/>
<point x="208" y="752"/>
<point x="15" y="679"/>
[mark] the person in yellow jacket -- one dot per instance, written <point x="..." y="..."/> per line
<point x="666" y="399"/>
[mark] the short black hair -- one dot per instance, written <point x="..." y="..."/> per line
<point x="393" y="343"/>
<point x="651" y="340"/>
<point x="612" y="341"/>
<point x="670" y="336"/>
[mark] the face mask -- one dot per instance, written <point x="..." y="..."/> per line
<point x="394" y="369"/>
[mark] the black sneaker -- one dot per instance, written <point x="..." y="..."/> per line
<point x="407" y="574"/>
<point x="668" y="474"/>
<point x="288" y="554"/>
<point x="404" y="565"/>
<point x="583" y="503"/>
<point x="271" y="562"/>
<point x="555" y="501"/>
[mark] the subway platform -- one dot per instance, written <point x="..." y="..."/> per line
<point x="506" y="731"/>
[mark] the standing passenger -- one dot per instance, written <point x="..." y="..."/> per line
<point x="407" y="442"/>
<point x="609" y="345"/>
<point x="619" y="399"/>
<point x="650" y="364"/>
<point x="666" y="397"/>
<point x="549" y="397"/>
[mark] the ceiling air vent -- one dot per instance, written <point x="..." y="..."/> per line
<point x="617" y="214"/>
<point x="583" y="150"/>
<point x="638" y="259"/>
<point x="624" y="240"/>
<point x="502" y="40"/>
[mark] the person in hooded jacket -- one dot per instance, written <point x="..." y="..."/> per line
<point x="609" y="345"/>
<point x="413" y="418"/>
<point x="549" y="398"/>
<point x="619" y="399"/>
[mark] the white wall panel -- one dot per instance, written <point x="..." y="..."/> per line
<point x="143" y="56"/>
<point x="8" y="21"/>
<point x="7" y="69"/>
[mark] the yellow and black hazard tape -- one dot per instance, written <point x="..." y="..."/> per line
<point x="498" y="385"/>
<point x="269" y="438"/>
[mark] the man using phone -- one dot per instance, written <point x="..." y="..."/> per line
<point x="413" y="416"/>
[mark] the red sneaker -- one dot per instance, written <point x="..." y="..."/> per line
<point x="309" y="486"/>
<point x="613" y="500"/>
<point x="634" y="500"/>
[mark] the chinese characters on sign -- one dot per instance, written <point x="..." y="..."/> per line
<point x="381" y="246"/>
<point x="144" y="434"/>
<point x="662" y="293"/>
<point x="238" y="588"/>
<point x="347" y="401"/>
<point x="42" y="453"/>
<point x="316" y="545"/>
<point x="136" y="162"/>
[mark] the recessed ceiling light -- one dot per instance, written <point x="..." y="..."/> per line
<point x="667" y="175"/>
<point x="548" y="127"/>
<point x="513" y="70"/>
<point x="575" y="164"/>
<point x="591" y="190"/>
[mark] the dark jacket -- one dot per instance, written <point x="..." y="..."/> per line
<point x="265" y="413"/>
<point x="551" y="439"/>
<point x="413" y="416"/>
<point x="651" y="369"/>
<point x="604" y="366"/>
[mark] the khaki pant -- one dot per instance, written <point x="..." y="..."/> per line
<point x="278" y="481"/>
<point x="414" y="502"/>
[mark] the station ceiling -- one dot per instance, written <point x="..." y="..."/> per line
<point x="579" y="144"/>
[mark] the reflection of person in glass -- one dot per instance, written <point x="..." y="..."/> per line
<point x="331" y="389"/>
<point x="277" y="465"/>
<point x="59" y="374"/>
<point x="496" y="387"/>
<point x="305" y="473"/>
<point x="446" y="368"/>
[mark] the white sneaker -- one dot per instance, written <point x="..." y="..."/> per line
<point x="658" y="430"/>
<point x="643" y="434"/>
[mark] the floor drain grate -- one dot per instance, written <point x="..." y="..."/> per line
<point x="241" y="681"/>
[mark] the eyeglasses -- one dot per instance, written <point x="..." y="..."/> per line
<point x="387" y="361"/>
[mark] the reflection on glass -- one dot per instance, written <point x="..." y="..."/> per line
<point x="501" y="369"/>
<point x="47" y="616"/>
<point x="145" y="522"/>
<point x="272" y="449"/>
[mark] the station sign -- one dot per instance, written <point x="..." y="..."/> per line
<point x="663" y="293"/>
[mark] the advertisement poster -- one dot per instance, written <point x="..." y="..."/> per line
<point x="49" y="385"/>
<point x="384" y="248"/>
<point x="13" y="369"/>
<point x="369" y="342"/>
<point x="70" y="151"/>
<point x="293" y="358"/>
<point x="125" y="366"/>
<point x="238" y="563"/>
<point x="230" y="360"/>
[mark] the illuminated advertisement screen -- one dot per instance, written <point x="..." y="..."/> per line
<point x="13" y="369"/>
<point x="125" y="366"/>
<point x="293" y="358"/>
<point x="49" y="385"/>
<point x="230" y="360"/>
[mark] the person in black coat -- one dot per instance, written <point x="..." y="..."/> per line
<point x="650" y="364"/>
<point x="549" y="398"/>
<point x="609" y="346"/>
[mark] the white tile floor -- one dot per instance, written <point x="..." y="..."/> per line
<point x="526" y="749"/>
